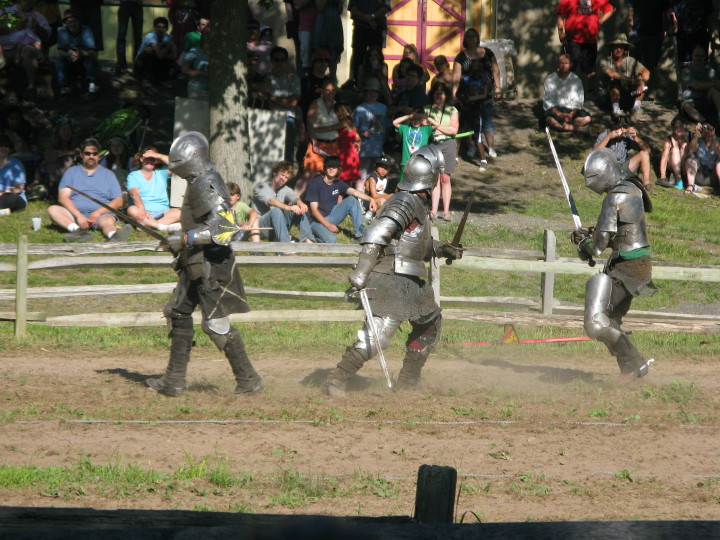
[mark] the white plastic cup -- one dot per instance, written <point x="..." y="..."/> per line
<point x="37" y="223"/>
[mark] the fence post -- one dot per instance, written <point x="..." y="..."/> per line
<point x="435" y="269"/>
<point x="435" y="495"/>
<point x="21" y="278"/>
<point x="547" y="280"/>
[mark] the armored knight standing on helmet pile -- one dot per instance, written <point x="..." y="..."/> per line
<point x="391" y="268"/>
<point x="208" y="275"/>
<point x="622" y="227"/>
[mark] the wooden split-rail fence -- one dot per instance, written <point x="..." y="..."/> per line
<point x="544" y="310"/>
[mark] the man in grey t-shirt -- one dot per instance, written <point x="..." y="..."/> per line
<point x="280" y="207"/>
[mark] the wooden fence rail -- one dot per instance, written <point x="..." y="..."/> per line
<point x="544" y="309"/>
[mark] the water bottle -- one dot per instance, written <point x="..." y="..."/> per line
<point x="635" y="93"/>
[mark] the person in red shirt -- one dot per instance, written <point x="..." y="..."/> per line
<point x="578" y="24"/>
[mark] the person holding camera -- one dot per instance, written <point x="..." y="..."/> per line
<point x="702" y="165"/>
<point x="621" y="140"/>
<point x="76" y="54"/>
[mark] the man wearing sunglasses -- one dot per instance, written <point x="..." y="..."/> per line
<point x="79" y="214"/>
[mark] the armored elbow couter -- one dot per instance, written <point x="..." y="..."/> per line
<point x="367" y="260"/>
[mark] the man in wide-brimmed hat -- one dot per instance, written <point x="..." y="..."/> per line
<point x="623" y="77"/>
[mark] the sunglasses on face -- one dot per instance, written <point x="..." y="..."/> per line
<point x="279" y="59"/>
<point x="91" y="153"/>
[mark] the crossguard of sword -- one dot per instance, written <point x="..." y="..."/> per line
<point x="356" y="292"/>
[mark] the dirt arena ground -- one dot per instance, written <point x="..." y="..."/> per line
<point x="534" y="433"/>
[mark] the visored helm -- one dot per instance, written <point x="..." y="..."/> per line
<point x="422" y="169"/>
<point x="189" y="155"/>
<point x="601" y="170"/>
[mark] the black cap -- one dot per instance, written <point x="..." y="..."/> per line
<point x="383" y="161"/>
<point x="620" y="122"/>
<point x="332" y="161"/>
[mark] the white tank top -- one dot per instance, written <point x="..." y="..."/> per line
<point x="325" y="117"/>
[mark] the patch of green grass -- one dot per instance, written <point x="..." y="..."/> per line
<point x="679" y="392"/>
<point x="679" y="224"/>
<point x="600" y="412"/>
<point x="625" y="475"/>
<point x="376" y="485"/>
<point x="530" y="484"/>
<point x="296" y="489"/>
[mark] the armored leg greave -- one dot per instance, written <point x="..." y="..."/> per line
<point x="173" y="382"/>
<point x="420" y="343"/>
<point x="248" y="380"/>
<point x="351" y="362"/>
<point x="602" y="322"/>
<point x="628" y="357"/>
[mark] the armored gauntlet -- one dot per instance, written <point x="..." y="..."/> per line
<point x="175" y="242"/>
<point x="367" y="260"/>
<point x="578" y="235"/>
<point x="448" y="251"/>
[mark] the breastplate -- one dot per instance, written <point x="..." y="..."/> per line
<point x="411" y="250"/>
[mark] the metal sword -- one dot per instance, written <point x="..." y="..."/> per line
<point x="566" y="187"/>
<point x="374" y="335"/>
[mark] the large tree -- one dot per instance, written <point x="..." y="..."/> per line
<point x="228" y="92"/>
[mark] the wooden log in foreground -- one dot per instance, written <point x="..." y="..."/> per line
<point x="88" y="524"/>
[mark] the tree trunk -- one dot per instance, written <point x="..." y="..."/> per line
<point x="228" y="93"/>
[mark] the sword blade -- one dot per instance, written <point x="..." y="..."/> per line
<point x="374" y="335"/>
<point x="461" y="227"/>
<point x="122" y="215"/>
<point x="566" y="187"/>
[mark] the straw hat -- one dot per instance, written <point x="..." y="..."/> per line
<point x="621" y="39"/>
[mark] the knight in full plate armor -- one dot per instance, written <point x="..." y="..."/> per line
<point x="622" y="227"/>
<point x="391" y="267"/>
<point x="208" y="275"/>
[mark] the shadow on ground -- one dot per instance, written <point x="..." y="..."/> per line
<point x="545" y="374"/>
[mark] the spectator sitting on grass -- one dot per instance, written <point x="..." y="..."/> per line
<point x="702" y="164"/>
<point x="673" y="154"/>
<point x="279" y="206"/>
<point x="155" y="61"/>
<point x="148" y="190"/>
<point x="245" y="217"/>
<point x="12" y="180"/>
<point x="76" y="54"/>
<point x="622" y="139"/>
<point x="324" y="193"/>
<point x="77" y="213"/>
<point x="377" y="185"/>
<point x="700" y="88"/>
<point x="564" y="99"/>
